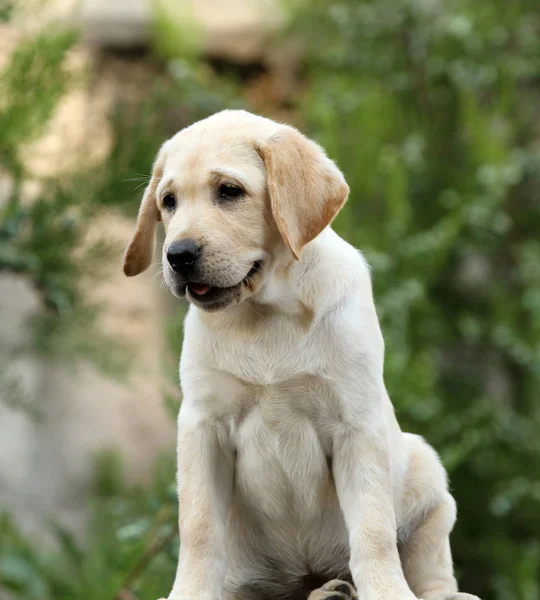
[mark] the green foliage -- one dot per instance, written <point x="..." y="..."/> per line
<point x="35" y="70"/>
<point x="428" y="109"/>
<point x="175" y="30"/>
<point x="44" y="238"/>
<point x="132" y="533"/>
<point x="7" y="8"/>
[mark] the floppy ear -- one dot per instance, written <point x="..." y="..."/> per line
<point x="306" y="188"/>
<point x="138" y="254"/>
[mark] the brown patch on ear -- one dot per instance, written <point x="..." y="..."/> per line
<point x="138" y="254"/>
<point x="306" y="188"/>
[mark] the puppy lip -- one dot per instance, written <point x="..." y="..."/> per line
<point x="204" y="293"/>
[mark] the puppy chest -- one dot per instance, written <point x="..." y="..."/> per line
<point x="283" y="448"/>
<point x="271" y="355"/>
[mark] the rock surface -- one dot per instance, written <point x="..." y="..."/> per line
<point x="233" y="29"/>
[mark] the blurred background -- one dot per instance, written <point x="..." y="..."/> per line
<point x="431" y="108"/>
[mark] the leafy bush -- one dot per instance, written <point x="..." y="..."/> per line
<point x="130" y="551"/>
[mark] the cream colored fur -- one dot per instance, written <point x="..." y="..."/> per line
<point x="290" y="458"/>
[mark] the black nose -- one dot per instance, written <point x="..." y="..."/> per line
<point x="182" y="255"/>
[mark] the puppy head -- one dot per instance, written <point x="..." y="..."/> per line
<point x="232" y="190"/>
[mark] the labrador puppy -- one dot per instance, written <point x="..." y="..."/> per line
<point x="294" y="478"/>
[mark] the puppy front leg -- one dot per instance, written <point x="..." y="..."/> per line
<point x="205" y="480"/>
<point x="362" y="474"/>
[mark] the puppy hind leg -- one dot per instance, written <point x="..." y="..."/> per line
<point x="425" y="552"/>
<point x="426" y="556"/>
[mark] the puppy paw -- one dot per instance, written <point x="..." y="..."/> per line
<point x="335" y="590"/>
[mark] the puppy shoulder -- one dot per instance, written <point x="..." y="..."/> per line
<point x="333" y="272"/>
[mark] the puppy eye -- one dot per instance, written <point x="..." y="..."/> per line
<point x="169" y="202"/>
<point x="229" y="192"/>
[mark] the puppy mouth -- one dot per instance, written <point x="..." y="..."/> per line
<point x="206" y="294"/>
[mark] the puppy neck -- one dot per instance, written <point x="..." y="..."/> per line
<point x="293" y="287"/>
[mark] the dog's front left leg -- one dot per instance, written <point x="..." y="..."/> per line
<point x="205" y="480"/>
<point x="362" y="474"/>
